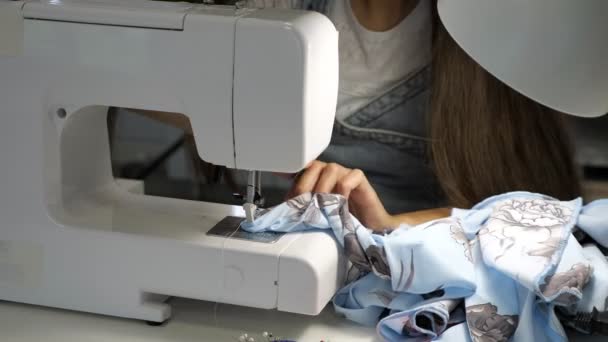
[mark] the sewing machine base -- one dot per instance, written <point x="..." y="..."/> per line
<point x="129" y="268"/>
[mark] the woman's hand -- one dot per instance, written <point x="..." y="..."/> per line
<point x="363" y="201"/>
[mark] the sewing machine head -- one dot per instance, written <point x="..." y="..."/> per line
<point x="259" y="87"/>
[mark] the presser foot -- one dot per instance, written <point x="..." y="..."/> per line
<point x="250" y="210"/>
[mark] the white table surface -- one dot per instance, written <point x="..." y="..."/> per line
<point x="192" y="321"/>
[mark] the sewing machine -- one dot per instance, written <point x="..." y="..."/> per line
<point x="259" y="88"/>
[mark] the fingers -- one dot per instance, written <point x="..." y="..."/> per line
<point x="321" y="177"/>
<point x="329" y="177"/>
<point x="363" y="200"/>
<point x="306" y="181"/>
<point x="354" y="179"/>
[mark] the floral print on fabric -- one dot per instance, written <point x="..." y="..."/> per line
<point x="486" y="325"/>
<point x="531" y="231"/>
<point x="568" y="284"/>
<point x="460" y="237"/>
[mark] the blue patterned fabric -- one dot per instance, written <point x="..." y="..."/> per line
<point x="499" y="271"/>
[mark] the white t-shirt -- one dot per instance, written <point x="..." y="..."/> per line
<point x="371" y="62"/>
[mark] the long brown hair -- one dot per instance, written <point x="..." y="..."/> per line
<point x="487" y="138"/>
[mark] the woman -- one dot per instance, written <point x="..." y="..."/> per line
<point x="486" y="139"/>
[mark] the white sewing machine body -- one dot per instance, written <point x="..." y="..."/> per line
<point x="71" y="237"/>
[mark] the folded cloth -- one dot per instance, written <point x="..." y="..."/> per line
<point x="490" y="273"/>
